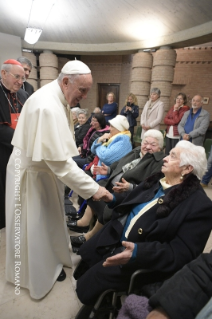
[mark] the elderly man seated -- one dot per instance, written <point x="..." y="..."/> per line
<point x="161" y="225"/>
<point x="124" y="175"/>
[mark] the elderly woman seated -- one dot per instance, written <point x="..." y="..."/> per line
<point x="125" y="174"/>
<point x="97" y="129"/>
<point x="74" y="112"/>
<point x="81" y="129"/>
<point x="112" y="146"/>
<point x="161" y="225"/>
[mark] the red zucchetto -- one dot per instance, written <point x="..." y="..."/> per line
<point x="11" y="61"/>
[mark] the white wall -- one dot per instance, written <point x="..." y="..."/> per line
<point x="10" y="47"/>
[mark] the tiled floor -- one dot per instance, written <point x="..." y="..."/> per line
<point x="60" y="303"/>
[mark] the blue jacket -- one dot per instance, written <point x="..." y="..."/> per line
<point x="118" y="148"/>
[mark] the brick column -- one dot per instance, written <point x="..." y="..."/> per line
<point x="163" y="72"/>
<point x="48" y="67"/>
<point x="140" y="78"/>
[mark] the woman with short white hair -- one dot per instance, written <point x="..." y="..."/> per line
<point x="75" y="111"/>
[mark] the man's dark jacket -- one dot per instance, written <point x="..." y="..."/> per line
<point x="28" y="88"/>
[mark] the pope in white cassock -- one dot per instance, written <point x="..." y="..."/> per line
<point x="41" y="163"/>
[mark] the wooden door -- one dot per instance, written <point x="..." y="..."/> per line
<point x="103" y="89"/>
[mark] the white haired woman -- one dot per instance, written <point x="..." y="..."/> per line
<point x="163" y="224"/>
<point x="125" y="175"/>
<point x="75" y="111"/>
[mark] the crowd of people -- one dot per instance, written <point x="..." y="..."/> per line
<point x="149" y="204"/>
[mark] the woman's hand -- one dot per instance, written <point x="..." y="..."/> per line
<point x="104" y="137"/>
<point x="121" y="186"/>
<point x="101" y="170"/>
<point x="122" y="258"/>
<point x="176" y="107"/>
<point x="79" y="149"/>
<point x="146" y="128"/>
<point x="158" y="313"/>
<point x="186" y="137"/>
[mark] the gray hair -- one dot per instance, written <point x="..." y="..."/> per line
<point x="155" y="90"/>
<point x="24" y="60"/>
<point x="83" y="111"/>
<point x="6" y="67"/>
<point x="97" y="108"/>
<point x="155" y="134"/>
<point x="71" y="77"/>
<point x="193" y="155"/>
<point x="75" y="110"/>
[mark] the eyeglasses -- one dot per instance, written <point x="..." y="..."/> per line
<point x="18" y="77"/>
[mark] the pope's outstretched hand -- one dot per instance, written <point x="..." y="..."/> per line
<point x="103" y="194"/>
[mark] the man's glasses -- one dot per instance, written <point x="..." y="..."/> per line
<point x="18" y="77"/>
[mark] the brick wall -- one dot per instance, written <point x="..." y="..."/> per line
<point x="192" y="75"/>
<point x="107" y="69"/>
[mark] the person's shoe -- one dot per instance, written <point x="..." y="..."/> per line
<point x="203" y="185"/>
<point x="69" y="210"/>
<point x="67" y="201"/>
<point x="75" y="250"/>
<point x="81" y="268"/>
<point x="79" y="229"/>
<point x="74" y="216"/>
<point x="77" y="241"/>
<point x="62" y="275"/>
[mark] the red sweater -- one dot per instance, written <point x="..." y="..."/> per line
<point x="174" y="118"/>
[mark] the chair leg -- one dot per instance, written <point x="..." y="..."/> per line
<point x="98" y="303"/>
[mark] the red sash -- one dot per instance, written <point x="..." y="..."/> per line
<point x="14" y="119"/>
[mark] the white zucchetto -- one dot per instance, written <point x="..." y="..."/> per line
<point x="75" y="67"/>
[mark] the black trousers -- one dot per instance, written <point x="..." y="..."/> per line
<point x="170" y="144"/>
<point x="97" y="279"/>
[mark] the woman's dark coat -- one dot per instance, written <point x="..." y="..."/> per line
<point x="80" y="132"/>
<point x="168" y="236"/>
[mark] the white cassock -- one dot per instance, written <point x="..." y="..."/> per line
<point x="40" y="165"/>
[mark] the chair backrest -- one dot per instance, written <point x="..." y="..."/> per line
<point x="207" y="146"/>
<point x="164" y="137"/>
<point x="137" y="136"/>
